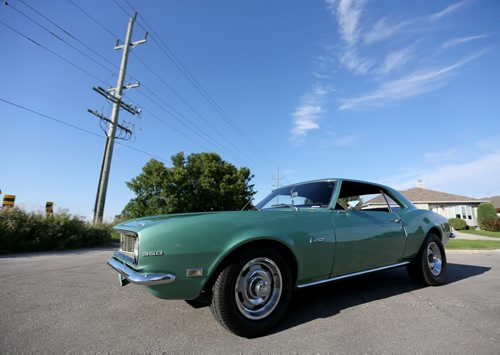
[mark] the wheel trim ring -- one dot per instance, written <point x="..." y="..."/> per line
<point x="434" y="259"/>
<point x="258" y="307"/>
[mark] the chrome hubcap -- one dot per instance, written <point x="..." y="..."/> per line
<point x="258" y="288"/>
<point x="434" y="259"/>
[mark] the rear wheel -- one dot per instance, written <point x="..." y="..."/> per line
<point x="252" y="292"/>
<point x="429" y="266"/>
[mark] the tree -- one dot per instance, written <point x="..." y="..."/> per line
<point x="200" y="182"/>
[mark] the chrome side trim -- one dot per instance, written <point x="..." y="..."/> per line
<point x="138" y="278"/>
<point x="353" y="274"/>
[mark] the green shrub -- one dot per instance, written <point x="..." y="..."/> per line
<point x="458" y="224"/>
<point x="492" y="225"/>
<point x="486" y="211"/>
<point x="22" y="231"/>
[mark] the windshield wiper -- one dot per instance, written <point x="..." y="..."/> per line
<point x="285" y="205"/>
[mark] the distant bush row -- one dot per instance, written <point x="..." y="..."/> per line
<point x="22" y="231"/>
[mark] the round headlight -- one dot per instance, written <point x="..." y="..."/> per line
<point x="136" y="249"/>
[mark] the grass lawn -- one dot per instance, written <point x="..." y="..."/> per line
<point x="483" y="233"/>
<point x="473" y="244"/>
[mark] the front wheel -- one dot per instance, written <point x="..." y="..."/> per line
<point x="252" y="292"/>
<point x="429" y="266"/>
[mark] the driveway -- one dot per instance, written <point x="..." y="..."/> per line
<point x="71" y="301"/>
<point x="461" y="235"/>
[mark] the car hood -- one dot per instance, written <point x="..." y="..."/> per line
<point x="144" y="222"/>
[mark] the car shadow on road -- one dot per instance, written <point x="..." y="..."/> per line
<point x="326" y="300"/>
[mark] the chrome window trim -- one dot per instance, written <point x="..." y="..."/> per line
<point x="386" y="201"/>
<point x="351" y="275"/>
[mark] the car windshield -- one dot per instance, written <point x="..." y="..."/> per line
<point x="311" y="194"/>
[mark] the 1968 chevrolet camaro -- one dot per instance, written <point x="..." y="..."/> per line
<point x="245" y="264"/>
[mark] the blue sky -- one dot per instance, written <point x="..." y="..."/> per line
<point x="385" y="91"/>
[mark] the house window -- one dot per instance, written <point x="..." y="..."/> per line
<point x="469" y="212"/>
<point x="463" y="212"/>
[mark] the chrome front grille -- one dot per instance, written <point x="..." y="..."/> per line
<point x="127" y="243"/>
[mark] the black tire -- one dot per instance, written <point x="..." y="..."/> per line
<point x="429" y="265"/>
<point x="262" y="272"/>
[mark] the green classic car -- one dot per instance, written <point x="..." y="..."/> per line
<point x="245" y="264"/>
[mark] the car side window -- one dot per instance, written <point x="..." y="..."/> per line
<point x="364" y="197"/>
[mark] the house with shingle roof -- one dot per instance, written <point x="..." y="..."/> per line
<point x="447" y="205"/>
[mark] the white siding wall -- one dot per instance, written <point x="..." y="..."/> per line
<point x="467" y="212"/>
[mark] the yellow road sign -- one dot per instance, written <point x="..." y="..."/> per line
<point x="8" y="200"/>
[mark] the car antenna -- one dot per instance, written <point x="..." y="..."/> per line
<point x="246" y="204"/>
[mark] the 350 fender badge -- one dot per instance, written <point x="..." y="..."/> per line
<point x="152" y="253"/>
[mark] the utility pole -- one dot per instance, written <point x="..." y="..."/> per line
<point x="114" y="95"/>
<point x="277" y="178"/>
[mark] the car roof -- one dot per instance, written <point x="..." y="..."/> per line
<point x="337" y="179"/>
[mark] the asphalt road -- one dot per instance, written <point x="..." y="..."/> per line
<point x="71" y="301"/>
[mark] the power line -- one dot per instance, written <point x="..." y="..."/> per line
<point x="78" y="128"/>
<point x="95" y="20"/>
<point x="97" y="78"/>
<point x="175" y="129"/>
<point x="192" y="79"/>
<point x="234" y="146"/>
<point x="58" y="37"/>
<point x="188" y="125"/>
<point x="123" y="9"/>
<point x="197" y="130"/>
<point x="53" y="53"/>
<point x="70" y="34"/>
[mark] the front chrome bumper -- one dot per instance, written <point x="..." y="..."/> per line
<point x="138" y="278"/>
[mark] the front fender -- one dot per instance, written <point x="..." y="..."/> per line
<point x="250" y="236"/>
<point x="418" y="223"/>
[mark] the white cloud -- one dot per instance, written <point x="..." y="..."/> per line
<point x="461" y="40"/>
<point x="396" y="60"/>
<point x="488" y="144"/>
<point x="442" y="155"/>
<point x="353" y="62"/>
<point x="474" y="178"/>
<point x="415" y="83"/>
<point x="345" y="140"/>
<point x="306" y="116"/>
<point x="348" y="13"/>
<point x="449" y="171"/>
<point x="381" y="30"/>
<point x="445" y="12"/>
<point x="321" y="76"/>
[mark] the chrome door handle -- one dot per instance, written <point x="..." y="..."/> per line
<point x="398" y="220"/>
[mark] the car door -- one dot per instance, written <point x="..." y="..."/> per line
<point x="368" y="235"/>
